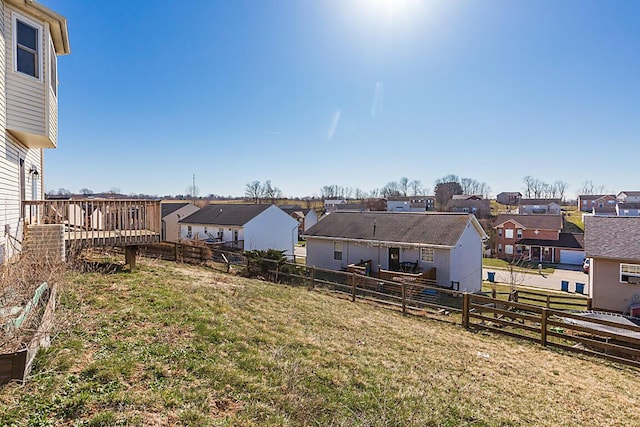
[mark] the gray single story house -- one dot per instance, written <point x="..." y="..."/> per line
<point x="451" y="243"/>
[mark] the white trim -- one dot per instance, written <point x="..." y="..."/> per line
<point x="15" y="16"/>
<point x="633" y="274"/>
<point x="52" y="57"/>
<point x="380" y="242"/>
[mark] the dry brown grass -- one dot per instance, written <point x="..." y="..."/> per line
<point x="172" y="345"/>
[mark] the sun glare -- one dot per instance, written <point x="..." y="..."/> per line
<point x="392" y="12"/>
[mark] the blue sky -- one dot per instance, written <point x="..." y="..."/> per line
<point x="355" y="93"/>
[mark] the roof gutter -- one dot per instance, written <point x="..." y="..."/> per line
<point x="380" y="242"/>
<point x="51" y="16"/>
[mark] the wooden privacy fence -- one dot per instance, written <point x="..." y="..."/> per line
<point x="614" y="340"/>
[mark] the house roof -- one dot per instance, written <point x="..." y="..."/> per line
<point x="510" y="193"/>
<point x="532" y="222"/>
<point x="291" y="209"/>
<point x="467" y="197"/>
<point x="592" y="196"/>
<point x="169" y="208"/>
<point x="630" y="193"/>
<point x="440" y="229"/>
<point x="604" y="210"/>
<point x="225" y="214"/>
<point x="527" y="202"/>
<point x="615" y="237"/>
<point x="57" y="23"/>
<point x="566" y="240"/>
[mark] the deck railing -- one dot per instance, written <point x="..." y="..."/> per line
<point x="101" y="222"/>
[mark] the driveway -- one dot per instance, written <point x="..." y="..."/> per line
<point x="572" y="274"/>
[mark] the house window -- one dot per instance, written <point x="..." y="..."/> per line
<point x="189" y="232"/>
<point x="220" y="233"/>
<point x="426" y="254"/>
<point x="508" y="233"/>
<point x="519" y="233"/>
<point x="205" y="230"/>
<point x="499" y="232"/>
<point x="630" y="273"/>
<point x="337" y="251"/>
<point x="53" y="69"/>
<point x="26" y="35"/>
<point x="508" y="249"/>
<point x="499" y="247"/>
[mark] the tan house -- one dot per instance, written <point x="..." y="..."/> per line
<point x="171" y="213"/>
<point x="613" y="246"/>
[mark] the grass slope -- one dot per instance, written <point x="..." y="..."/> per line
<point x="179" y="345"/>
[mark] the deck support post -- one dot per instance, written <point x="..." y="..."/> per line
<point x="130" y="256"/>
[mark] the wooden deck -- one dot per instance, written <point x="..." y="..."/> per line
<point x="99" y="222"/>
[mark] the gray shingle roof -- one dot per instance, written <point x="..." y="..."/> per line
<point x="402" y="227"/>
<point x="533" y="222"/>
<point x="612" y="237"/>
<point x="566" y="240"/>
<point x="526" y="202"/>
<point x="169" y="208"/>
<point x="225" y="214"/>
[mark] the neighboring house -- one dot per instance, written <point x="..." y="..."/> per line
<point x="586" y="202"/>
<point x="537" y="238"/>
<point x="451" y="243"/>
<point x="539" y="206"/>
<point x="331" y="205"/>
<point x="171" y="213"/>
<point x="375" y="204"/>
<point x="628" y="209"/>
<point x="306" y="217"/>
<point x="33" y="37"/>
<point x="604" y="211"/>
<point x="629" y="196"/>
<point x="467" y="197"/>
<point x="509" y="198"/>
<point x="613" y="245"/>
<point x="243" y="226"/>
<point x="407" y="204"/>
<point x="481" y="208"/>
<point x="351" y="207"/>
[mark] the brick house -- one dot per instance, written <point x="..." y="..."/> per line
<point x="539" y="206"/>
<point x="537" y="238"/>
<point x="587" y="202"/>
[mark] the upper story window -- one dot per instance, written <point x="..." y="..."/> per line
<point x="508" y="233"/>
<point x="519" y="233"/>
<point x="27" y="37"/>
<point x="499" y="232"/>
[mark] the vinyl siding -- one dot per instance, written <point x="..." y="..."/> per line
<point x="26" y="96"/>
<point x="466" y="261"/>
<point x="606" y="290"/>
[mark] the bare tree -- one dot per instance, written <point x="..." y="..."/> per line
<point x="416" y="187"/>
<point x="561" y="187"/>
<point x="253" y="191"/>
<point x="271" y="192"/>
<point x="359" y="194"/>
<point x="587" y="187"/>
<point x="392" y="189"/>
<point x="528" y="185"/>
<point x="404" y="185"/>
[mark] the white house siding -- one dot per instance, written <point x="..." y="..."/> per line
<point x="26" y="106"/>
<point x="310" y="219"/>
<point x="320" y="254"/>
<point x="271" y="229"/>
<point x="605" y="288"/>
<point x="198" y="232"/>
<point x="466" y="261"/>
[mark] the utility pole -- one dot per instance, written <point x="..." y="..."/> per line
<point x="193" y="189"/>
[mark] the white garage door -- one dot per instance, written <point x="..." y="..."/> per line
<point x="571" y="257"/>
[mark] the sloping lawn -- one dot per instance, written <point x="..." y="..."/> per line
<point x="178" y="345"/>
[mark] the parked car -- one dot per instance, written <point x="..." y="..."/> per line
<point x="586" y="264"/>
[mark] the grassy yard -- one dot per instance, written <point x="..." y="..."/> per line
<point x="178" y="345"/>
<point x="526" y="267"/>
